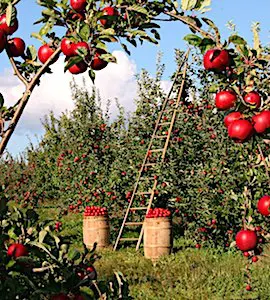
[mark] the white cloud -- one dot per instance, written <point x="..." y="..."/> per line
<point x="115" y="81"/>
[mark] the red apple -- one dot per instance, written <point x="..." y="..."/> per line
<point x="16" y="47"/>
<point x="236" y="115"/>
<point x="80" y="45"/>
<point x="261" y="121"/>
<point x="67" y="47"/>
<point x="78" y="5"/>
<point x="216" y="59"/>
<point x="253" y="98"/>
<point x="3" y="40"/>
<point x="45" y="52"/>
<point x="97" y="63"/>
<point x="78" y="68"/>
<point x="240" y="130"/>
<point x="108" y="11"/>
<point x="225" y="100"/>
<point x="16" y="250"/>
<point x="74" y="16"/>
<point x="263" y="205"/>
<point x="246" y="240"/>
<point x="8" y="29"/>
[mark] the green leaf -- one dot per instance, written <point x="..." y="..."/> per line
<point x="237" y="40"/>
<point x="38" y="36"/>
<point x="31" y="52"/>
<point x="203" y="5"/>
<point x="193" y="39"/>
<point x="149" y="25"/>
<point x="85" y="32"/>
<point x="188" y="4"/>
<point x="9" y="14"/>
<point x="138" y="9"/>
<point x="108" y="57"/>
<point x="125" y="48"/>
<point x="73" y="61"/>
<point x="41" y="236"/>
<point x="73" y="254"/>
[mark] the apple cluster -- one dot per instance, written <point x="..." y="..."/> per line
<point x="15" y="46"/>
<point x="72" y="49"/>
<point x="95" y="211"/>
<point x="158" y="213"/>
<point x="239" y="127"/>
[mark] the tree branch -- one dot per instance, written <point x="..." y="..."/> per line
<point x="19" y="75"/>
<point x="190" y="24"/>
<point x="29" y="88"/>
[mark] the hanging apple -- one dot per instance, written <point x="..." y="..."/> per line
<point x="78" y="5"/>
<point x="253" y="98"/>
<point x="240" y="130"/>
<point x="3" y="40"/>
<point x="45" y="52"/>
<point x="16" y="47"/>
<point x="236" y="115"/>
<point x="67" y="47"/>
<point x="263" y="205"/>
<point x="78" y="68"/>
<point x="108" y="11"/>
<point x="17" y="250"/>
<point x="8" y="29"/>
<point x="98" y="63"/>
<point x="261" y="121"/>
<point x="246" y="240"/>
<point x="216" y="59"/>
<point x="225" y="100"/>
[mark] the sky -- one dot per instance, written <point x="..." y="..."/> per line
<point x="115" y="81"/>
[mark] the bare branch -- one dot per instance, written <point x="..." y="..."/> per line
<point x="19" y="75"/>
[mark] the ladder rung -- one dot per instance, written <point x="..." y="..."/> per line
<point x="165" y="123"/>
<point x="143" y="193"/>
<point x="149" y="165"/>
<point x="160" y="136"/>
<point x="146" y="178"/>
<point x="129" y="239"/>
<point x="133" y="223"/>
<point x="156" y="150"/>
<point x="138" y="208"/>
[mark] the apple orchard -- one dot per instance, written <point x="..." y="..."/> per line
<point x="214" y="182"/>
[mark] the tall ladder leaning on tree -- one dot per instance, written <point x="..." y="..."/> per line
<point x="141" y="178"/>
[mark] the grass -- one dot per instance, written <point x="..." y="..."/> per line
<point x="188" y="273"/>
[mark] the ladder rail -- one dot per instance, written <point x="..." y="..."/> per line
<point x="146" y="157"/>
<point x="164" y="150"/>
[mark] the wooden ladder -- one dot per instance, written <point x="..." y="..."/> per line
<point x="145" y="163"/>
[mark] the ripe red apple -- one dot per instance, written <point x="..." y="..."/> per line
<point x="78" y="46"/>
<point x="44" y="53"/>
<point x="97" y="63"/>
<point x="16" y="250"/>
<point x="236" y="115"/>
<point x="67" y="47"/>
<point x="78" y="5"/>
<point x="225" y="99"/>
<point x="108" y="11"/>
<point x="78" y="68"/>
<point x="3" y="40"/>
<point x="263" y="205"/>
<point x="255" y="259"/>
<point x="240" y="130"/>
<point x="261" y="121"/>
<point x="253" y="98"/>
<point x="216" y="59"/>
<point x="246" y="240"/>
<point x="60" y="297"/>
<point x="248" y="287"/>
<point x="16" y="47"/>
<point x="8" y="29"/>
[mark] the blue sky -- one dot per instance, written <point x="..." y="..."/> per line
<point x="241" y="12"/>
